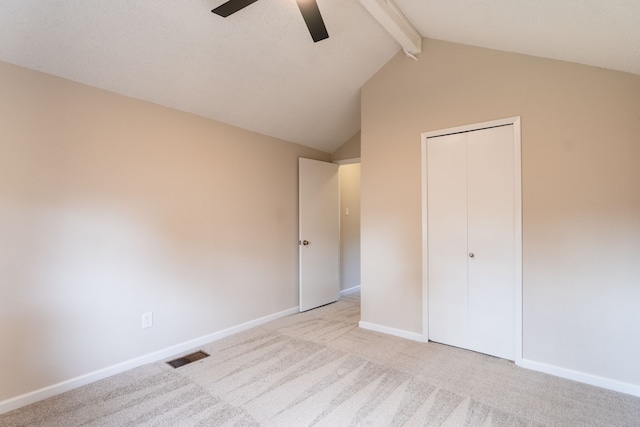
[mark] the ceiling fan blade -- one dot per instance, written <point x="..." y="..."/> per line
<point x="232" y="6"/>
<point x="313" y="19"/>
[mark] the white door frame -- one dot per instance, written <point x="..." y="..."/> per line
<point x="517" y="177"/>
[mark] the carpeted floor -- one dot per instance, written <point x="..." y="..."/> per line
<point x="319" y="369"/>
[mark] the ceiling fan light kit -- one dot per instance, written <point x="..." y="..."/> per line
<point x="308" y="8"/>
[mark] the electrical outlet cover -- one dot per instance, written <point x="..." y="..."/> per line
<point x="147" y="320"/>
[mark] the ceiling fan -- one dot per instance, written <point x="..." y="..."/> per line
<point x="308" y="8"/>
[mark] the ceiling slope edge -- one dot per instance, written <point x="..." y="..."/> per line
<point x="389" y="15"/>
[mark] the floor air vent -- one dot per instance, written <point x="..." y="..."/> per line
<point x="185" y="360"/>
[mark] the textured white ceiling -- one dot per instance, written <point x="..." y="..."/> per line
<point x="259" y="68"/>
<point x="602" y="33"/>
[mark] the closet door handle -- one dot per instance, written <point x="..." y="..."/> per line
<point x="471" y="255"/>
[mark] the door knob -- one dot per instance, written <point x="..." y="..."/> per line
<point x="471" y="255"/>
<point x="305" y="242"/>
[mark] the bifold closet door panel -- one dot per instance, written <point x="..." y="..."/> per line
<point x="447" y="239"/>
<point x="491" y="240"/>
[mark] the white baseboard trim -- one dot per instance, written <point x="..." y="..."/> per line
<point x="581" y="377"/>
<point x="61" y="387"/>
<point x="392" y="331"/>
<point x="350" y="290"/>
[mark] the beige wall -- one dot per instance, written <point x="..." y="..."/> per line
<point x="581" y="195"/>
<point x="349" y="150"/>
<point x="349" y="226"/>
<point x="112" y="207"/>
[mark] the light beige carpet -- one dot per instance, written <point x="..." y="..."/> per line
<point x="319" y="369"/>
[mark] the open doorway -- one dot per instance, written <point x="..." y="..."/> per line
<point x="349" y="174"/>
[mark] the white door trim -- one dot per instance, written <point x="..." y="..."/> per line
<point x="517" y="177"/>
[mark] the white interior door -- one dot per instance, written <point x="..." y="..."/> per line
<point x="491" y="239"/>
<point x="471" y="239"/>
<point x="319" y="233"/>
<point x="447" y="219"/>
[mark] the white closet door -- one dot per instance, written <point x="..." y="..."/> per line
<point x="491" y="238"/>
<point x="471" y="238"/>
<point x="447" y="223"/>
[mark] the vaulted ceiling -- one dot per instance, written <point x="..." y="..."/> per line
<point x="259" y="69"/>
